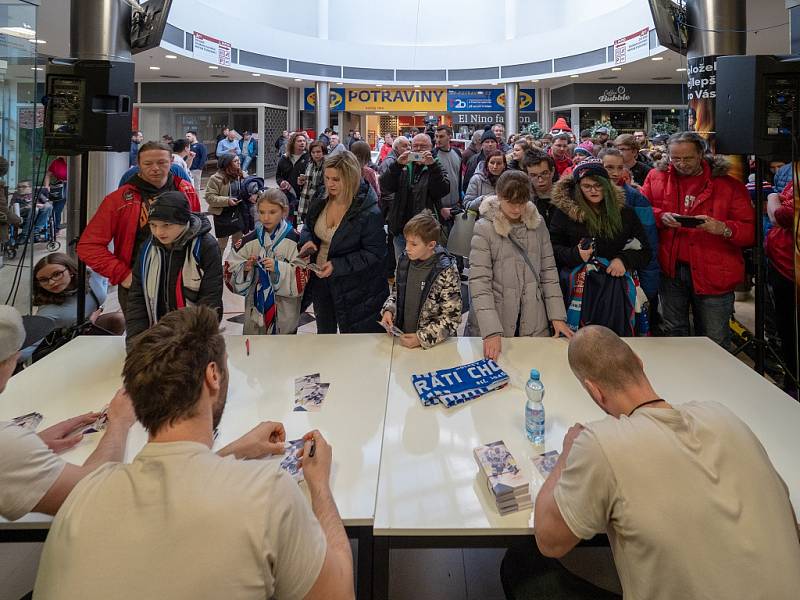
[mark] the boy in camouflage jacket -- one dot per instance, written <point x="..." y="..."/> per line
<point x="425" y="303"/>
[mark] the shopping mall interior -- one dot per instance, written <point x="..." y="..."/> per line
<point x="699" y="265"/>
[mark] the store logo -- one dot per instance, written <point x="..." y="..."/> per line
<point x="615" y="95"/>
<point x="312" y="99"/>
<point x="336" y="99"/>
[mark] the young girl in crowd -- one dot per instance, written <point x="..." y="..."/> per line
<point x="484" y="181"/>
<point x="513" y="278"/>
<point x="178" y="265"/>
<point x="260" y="268"/>
<point x="55" y="287"/>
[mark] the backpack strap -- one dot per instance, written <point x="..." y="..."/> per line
<point x="527" y="260"/>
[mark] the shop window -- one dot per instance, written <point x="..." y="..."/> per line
<point x="669" y="120"/>
<point x="628" y="120"/>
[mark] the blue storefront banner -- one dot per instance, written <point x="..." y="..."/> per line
<point x="336" y="101"/>
<point x="474" y="100"/>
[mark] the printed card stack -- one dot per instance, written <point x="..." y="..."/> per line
<point x="455" y="386"/>
<point x="505" y="481"/>
<point x="309" y="393"/>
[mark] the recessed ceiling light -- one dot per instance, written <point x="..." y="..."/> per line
<point x="170" y="56"/>
<point x="534" y="81"/>
<point x="456" y="85"/>
<point x="38" y="41"/>
<point x="297" y="79"/>
<point x="37" y="69"/>
<point x="417" y="85"/>
<point x="574" y="76"/>
<point x="256" y="74"/>
<point x="155" y="68"/>
<point x="378" y="85"/>
<point x="213" y="67"/>
<point x="616" y="68"/>
<point x="680" y="69"/>
<point x="657" y="58"/>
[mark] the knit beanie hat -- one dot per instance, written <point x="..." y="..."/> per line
<point x="170" y="207"/>
<point x="592" y="167"/>
<point x="488" y="135"/>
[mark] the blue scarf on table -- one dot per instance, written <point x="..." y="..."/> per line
<point x="264" y="295"/>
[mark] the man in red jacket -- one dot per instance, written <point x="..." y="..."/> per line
<point x="122" y="217"/>
<point x="701" y="258"/>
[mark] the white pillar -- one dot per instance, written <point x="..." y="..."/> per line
<point x="512" y="108"/>
<point x="544" y="108"/>
<point x="323" y="114"/>
<point x="323" y="20"/>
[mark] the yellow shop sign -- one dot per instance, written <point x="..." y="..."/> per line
<point x="402" y="99"/>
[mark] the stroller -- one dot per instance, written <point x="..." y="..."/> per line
<point x="19" y="234"/>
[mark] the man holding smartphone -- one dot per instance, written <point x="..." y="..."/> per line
<point x="704" y="219"/>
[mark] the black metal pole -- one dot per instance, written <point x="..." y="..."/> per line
<point x="84" y="208"/>
<point x="758" y="255"/>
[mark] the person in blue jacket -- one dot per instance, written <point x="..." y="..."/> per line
<point x="650" y="276"/>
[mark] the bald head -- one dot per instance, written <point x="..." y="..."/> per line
<point x="597" y="354"/>
<point x="421" y="142"/>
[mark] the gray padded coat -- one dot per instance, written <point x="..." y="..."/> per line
<point x="502" y="287"/>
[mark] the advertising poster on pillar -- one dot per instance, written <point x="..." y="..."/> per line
<point x="702" y="99"/>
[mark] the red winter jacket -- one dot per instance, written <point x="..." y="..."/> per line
<point x="117" y="220"/>
<point x="717" y="264"/>
<point x="780" y="239"/>
<point x="563" y="165"/>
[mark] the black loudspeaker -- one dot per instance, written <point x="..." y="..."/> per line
<point x="89" y="106"/>
<point x="758" y="98"/>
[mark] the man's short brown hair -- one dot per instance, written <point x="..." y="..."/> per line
<point x="165" y="367"/>
<point x="424" y="226"/>
<point x="626" y="139"/>
<point x="446" y="128"/>
<point x="514" y="187"/>
<point x="619" y="367"/>
<point x="151" y="145"/>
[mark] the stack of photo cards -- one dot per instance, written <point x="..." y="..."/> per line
<point x="30" y="421"/>
<point x="455" y="386"/>
<point x="545" y="463"/>
<point x="98" y="425"/>
<point x="291" y="462"/>
<point x="309" y="393"/>
<point x="505" y="481"/>
<point x="304" y="264"/>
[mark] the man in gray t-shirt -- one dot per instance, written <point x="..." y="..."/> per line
<point x="32" y="477"/>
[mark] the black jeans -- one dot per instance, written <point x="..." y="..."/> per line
<point x="324" y="307"/>
<point x="785" y="321"/>
<point x="528" y="575"/>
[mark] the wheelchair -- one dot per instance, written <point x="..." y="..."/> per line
<point x="19" y="234"/>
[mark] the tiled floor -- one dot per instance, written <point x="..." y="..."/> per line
<point x="457" y="574"/>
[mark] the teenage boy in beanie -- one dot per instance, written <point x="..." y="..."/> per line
<point x="425" y="302"/>
<point x="488" y="143"/>
<point x="32" y="477"/>
<point x="179" y="265"/>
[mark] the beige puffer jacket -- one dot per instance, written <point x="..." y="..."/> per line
<point x="218" y="191"/>
<point x="501" y="283"/>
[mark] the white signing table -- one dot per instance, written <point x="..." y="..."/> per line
<point x="401" y="470"/>
<point x="83" y="376"/>
<point x="429" y="491"/>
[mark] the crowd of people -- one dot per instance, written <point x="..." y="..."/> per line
<point x="587" y="239"/>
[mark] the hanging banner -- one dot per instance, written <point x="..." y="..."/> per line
<point x="211" y="50"/>
<point x="336" y="99"/>
<point x="474" y="100"/>
<point x="396" y="99"/>
<point x="633" y="47"/>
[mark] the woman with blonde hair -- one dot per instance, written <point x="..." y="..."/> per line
<point x="344" y="236"/>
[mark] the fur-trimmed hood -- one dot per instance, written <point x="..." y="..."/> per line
<point x="563" y="198"/>
<point x="720" y="166"/>
<point x="490" y="210"/>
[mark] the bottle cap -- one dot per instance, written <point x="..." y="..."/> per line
<point x="535" y="374"/>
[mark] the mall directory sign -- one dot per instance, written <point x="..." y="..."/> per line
<point x="429" y="100"/>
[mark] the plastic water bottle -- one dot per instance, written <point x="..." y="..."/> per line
<point x="534" y="410"/>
